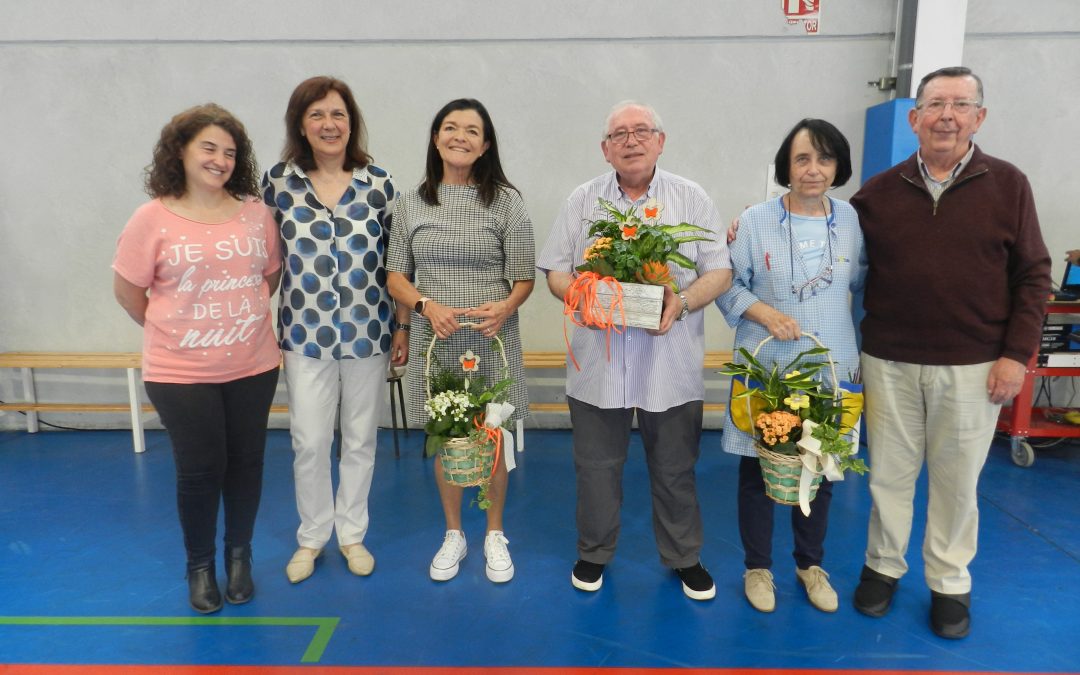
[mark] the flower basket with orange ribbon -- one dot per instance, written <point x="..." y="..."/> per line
<point x="466" y="416"/>
<point x="620" y="283"/>
<point x="801" y="425"/>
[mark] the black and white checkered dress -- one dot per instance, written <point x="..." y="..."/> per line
<point x="463" y="254"/>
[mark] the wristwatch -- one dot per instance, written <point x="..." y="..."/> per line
<point x="402" y="326"/>
<point x="685" y="307"/>
<point x="420" y="305"/>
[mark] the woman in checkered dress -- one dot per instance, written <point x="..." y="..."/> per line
<point x="462" y="255"/>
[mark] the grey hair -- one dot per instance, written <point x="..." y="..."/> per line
<point x="951" y="71"/>
<point x="623" y="105"/>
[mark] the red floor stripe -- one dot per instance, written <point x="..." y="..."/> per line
<point x="35" y="669"/>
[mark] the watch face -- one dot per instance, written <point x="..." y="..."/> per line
<point x="420" y="305"/>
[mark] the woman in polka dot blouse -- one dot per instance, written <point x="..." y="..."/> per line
<point x="195" y="268"/>
<point x="333" y="206"/>
<point x="462" y="247"/>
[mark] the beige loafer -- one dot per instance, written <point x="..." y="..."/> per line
<point x="759" y="588"/>
<point x="818" y="589"/>
<point x="302" y="564"/>
<point x="361" y="562"/>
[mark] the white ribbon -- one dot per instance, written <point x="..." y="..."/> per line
<point x="814" y="463"/>
<point x="494" y="415"/>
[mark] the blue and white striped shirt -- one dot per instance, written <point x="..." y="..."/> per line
<point x="645" y="371"/>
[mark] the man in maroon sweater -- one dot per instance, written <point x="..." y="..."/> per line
<point x="955" y="293"/>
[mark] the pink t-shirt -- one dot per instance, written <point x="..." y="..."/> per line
<point x="208" y="317"/>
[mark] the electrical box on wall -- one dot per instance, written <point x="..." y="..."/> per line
<point x="889" y="139"/>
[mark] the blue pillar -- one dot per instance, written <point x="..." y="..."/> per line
<point x="889" y="139"/>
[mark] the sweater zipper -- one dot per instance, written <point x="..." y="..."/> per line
<point x="922" y="186"/>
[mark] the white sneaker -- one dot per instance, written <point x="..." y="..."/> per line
<point x="818" y="588"/>
<point x="500" y="568"/>
<point x="445" y="565"/>
<point x="759" y="588"/>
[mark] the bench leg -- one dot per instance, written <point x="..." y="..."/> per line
<point x="138" y="438"/>
<point x="393" y="417"/>
<point x="30" y="396"/>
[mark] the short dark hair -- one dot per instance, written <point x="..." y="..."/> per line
<point x="298" y="149"/>
<point x="165" y="175"/>
<point x="951" y="71"/>
<point x="487" y="171"/>
<point x="825" y="138"/>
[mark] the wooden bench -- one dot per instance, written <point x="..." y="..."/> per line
<point x="131" y="362"/>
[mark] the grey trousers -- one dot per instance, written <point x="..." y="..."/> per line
<point x="672" y="446"/>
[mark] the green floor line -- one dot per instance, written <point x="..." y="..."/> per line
<point x="324" y="625"/>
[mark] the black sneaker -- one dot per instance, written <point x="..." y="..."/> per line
<point x="587" y="576"/>
<point x="950" y="616"/>
<point x="696" y="582"/>
<point x="873" y="596"/>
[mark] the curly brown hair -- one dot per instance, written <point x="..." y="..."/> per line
<point x="165" y="175"/>
<point x="297" y="149"/>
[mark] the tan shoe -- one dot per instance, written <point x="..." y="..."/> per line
<point x="758" y="586"/>
<point x="818" y="589"/>
<point x="361" y="563"/>
<point x="302" y="564"/>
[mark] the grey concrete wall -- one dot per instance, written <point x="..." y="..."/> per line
<point x="86" y="88"/>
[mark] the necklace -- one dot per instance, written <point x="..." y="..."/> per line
<point x="824" y="277"/>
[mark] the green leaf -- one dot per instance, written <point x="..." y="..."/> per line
<point x="681" y="260"/>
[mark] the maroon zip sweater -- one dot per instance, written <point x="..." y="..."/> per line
<point x="959" y="282"/>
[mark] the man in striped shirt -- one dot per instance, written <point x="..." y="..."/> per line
<point x="656" y="374"/>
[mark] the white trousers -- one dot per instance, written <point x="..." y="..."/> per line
<point x="317" y="390"/>
<point x="941" y="415"/>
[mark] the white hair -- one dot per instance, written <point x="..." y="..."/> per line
<point x="657" y="123"/>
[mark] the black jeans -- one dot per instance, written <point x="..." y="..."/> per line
<point x="756" y="520"/>
<point x="218" y="434"/>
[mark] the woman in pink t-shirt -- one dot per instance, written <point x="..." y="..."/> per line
<point x="195" y="267"/>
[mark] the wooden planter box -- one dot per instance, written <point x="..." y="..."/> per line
<point x="642" y="303"/>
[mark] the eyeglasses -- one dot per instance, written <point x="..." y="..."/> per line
<point x="621" y="136"/>
<point x="936" y="106"/>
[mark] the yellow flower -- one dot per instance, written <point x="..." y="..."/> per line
<point x="792" y="374"/>
<point x="797" y="401"/>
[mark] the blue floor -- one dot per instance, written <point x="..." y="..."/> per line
<point x="92" y="572"/>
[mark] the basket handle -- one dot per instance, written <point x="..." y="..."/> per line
<point x="431" y="348"/>
<point x="837" y="394"/>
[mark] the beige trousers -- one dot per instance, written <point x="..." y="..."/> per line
<point x="941" y="415"/>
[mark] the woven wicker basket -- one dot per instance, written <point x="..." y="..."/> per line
<point x="468" y="461"/>
<point x="783" y="473"/>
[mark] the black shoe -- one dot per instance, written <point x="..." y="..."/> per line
<point x="587" y="576"/>
<point x="696" y="582"/>
<point x="203" y="593"/>
<point x="240" y="588"/>
<point x="950" y="615"/>
<point x="873" y="596"/>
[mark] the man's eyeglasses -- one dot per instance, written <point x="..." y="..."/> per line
<point x="936" y="106"/>
<point x="642" y="134"/>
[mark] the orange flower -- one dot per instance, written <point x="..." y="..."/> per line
<point x="655" y="272"/>
<point x="629" y="231"/>
<point x="652" y="211"/>
<point x="469" y="362"/>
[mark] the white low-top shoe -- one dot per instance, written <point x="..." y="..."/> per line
<point x="361" y="562"/>
<point x="500" y="568"/>
<point x="818" y="588"/>
<point x="444" y="566"/>
<point x="302" y="564"/>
